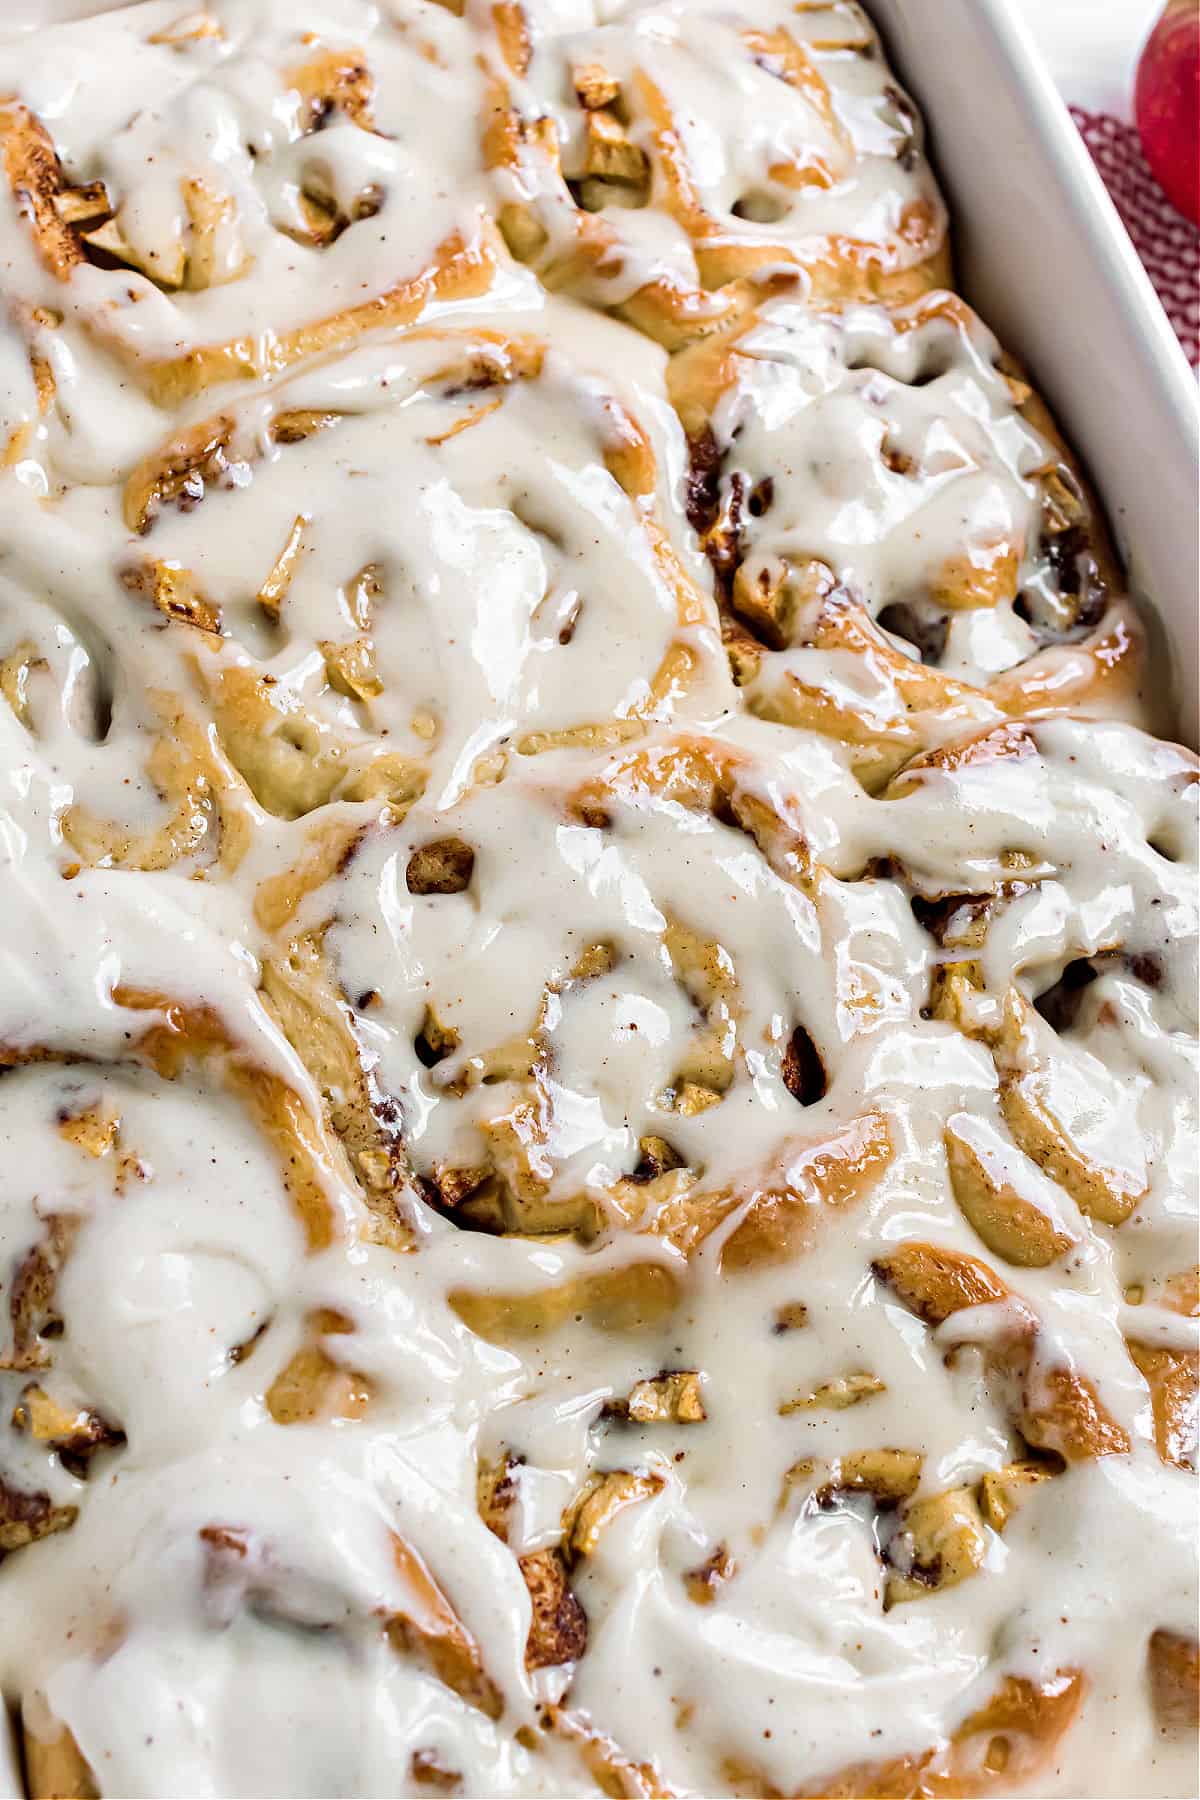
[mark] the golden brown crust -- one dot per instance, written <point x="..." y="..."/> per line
<point x="992" y="1751"/>
<point x="1181" y="1292"/>
<point x="634" y="1296"/>
<point x="459" y="271"/>
<point x="74" y="1433"/>
<point x="432" y="1633"/>
<point x="335" y="80"/>
<point x="313" y="1387"/>
<point x="315" y="1018"/>
<point x="704" y="1583"/>
<point x="192" y="456"/>
<point x="1087" y="649"/>
<point x="55" y="1767"/>
<point x="558" y="1623"/>
<point x="206" y="796"/>
<point x="778" y="1214"/>
<point x="1104" y="1193"/>
<point x="889" y="1475"/>
<point x="25" y="1517"/>
<point x="614" y="1773"/>
<point x="183" y="1035"/>
<point x="827" y="1176"/>
<point x="632" y="152"/>
<point x="1011" y="1226"/>
<point x="1057" y="1408"/>
<point x="941" y="1542"/>
<point x="1003" y="1492"/>
<point x="602" y="1500"/>
<point x="1173" y="1666"/>
<point x="936" y="1282"/>
<point x="36" y="180"/>
<point x="1173" y="1377"/>
<point x="1062" y="1411"/>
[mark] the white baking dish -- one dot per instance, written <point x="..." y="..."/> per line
<point x="1042" y="253"/>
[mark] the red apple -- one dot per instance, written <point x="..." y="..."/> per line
<point x="1167" y="104"/>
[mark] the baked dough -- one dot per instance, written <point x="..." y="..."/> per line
<point x="598" y="954"/>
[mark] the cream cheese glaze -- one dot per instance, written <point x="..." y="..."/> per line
<point x="598" y="959"/>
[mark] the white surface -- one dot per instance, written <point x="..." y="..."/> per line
<point x="1091" y="46"/>
<point x="1042" y="253"/>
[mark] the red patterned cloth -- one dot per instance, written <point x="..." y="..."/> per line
<point x="1168" y="244"/>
